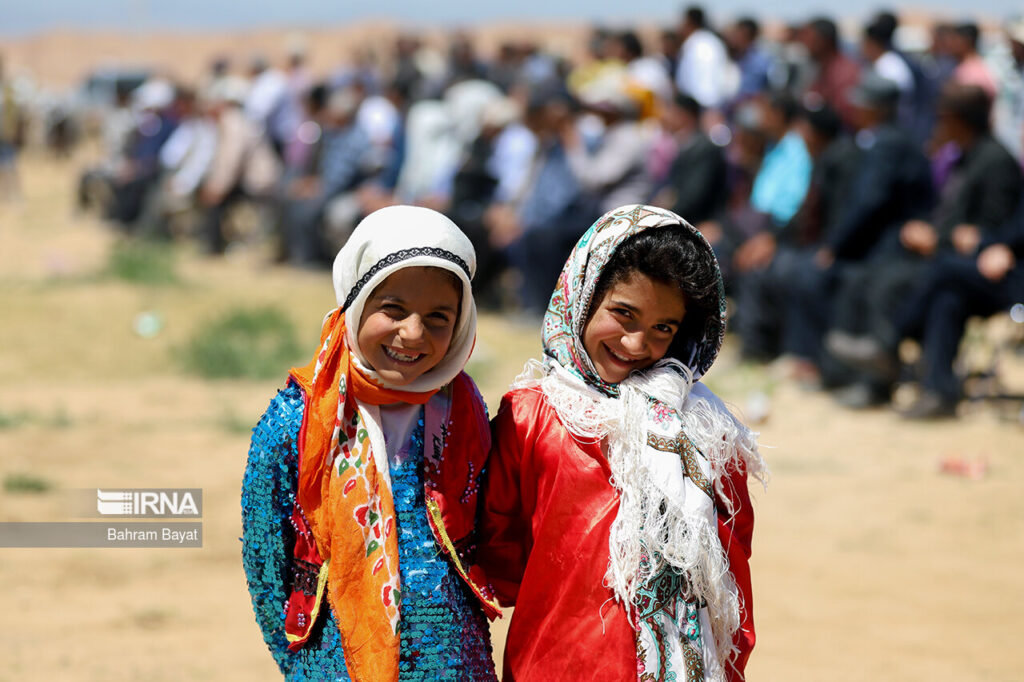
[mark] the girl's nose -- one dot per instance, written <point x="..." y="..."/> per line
<point x="634" y="342"/>
<point x="411" y="330"/>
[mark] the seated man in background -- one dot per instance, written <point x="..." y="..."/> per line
<point x="139" y="170"/>
<point x="891" y="185"/>
<point x="695" y="186"/>
<point x="766" y="263"/>
<point x="342" y="163"/>
<point x="778" y="187"/>
<point x="243" y="164"/>
<point x="954" y="288"/>
<point x="611" y="167"/>
<point x="537" y="231"/>
<point x="979" y="197"/>
<point x="184" y="161"/>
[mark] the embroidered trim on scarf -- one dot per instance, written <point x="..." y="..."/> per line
<point x="687" y="451"/>
<point x="398" y="257"/>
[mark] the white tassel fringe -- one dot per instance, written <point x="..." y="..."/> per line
<point x="673" y="531"/>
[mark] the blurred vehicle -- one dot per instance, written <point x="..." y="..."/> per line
<point x="98" y="93"/>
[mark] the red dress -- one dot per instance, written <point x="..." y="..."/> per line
<point x="548" y="511"/>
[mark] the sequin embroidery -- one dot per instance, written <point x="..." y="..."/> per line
<point x="444" y="634"/>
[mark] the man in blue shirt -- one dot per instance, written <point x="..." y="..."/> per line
<point x="537" y="231"/>
<point x="342" y="164"/>
<point x="754" y="63"/>
<point x="781" y="183"/>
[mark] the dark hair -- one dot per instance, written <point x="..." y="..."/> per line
<point x="969" y="104"/>
<point x="888" y="21"/>
<point x="631" y="44"/>
<point x="750" y="25"/>
<point x="316" y="98"/>
<point x="784" y="103"/>
<point x="544" y="95"/>
<point x="695" y="15"/>
<point x="879" y="33"/>
<point x="688" y="103"/>
<point x="825" y="121"/>
<point x="826" y="29"/>
<point x="673" y="256"/>
<point x="969" y="32"/>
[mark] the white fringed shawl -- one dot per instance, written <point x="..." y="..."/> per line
<point x="663" y="514"/>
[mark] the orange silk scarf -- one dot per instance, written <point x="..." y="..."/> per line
<point x="349" y="506"/>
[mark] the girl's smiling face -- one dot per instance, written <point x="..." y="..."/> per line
<point x="408" y="322"/>
<point x="632" y="326"/>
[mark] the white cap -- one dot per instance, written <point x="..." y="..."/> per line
<point x="155" y="93"/>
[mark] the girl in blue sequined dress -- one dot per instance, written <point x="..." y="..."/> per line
<point x="359" y="497"/>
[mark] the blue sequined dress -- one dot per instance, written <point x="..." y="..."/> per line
<point x="444" y="635"/>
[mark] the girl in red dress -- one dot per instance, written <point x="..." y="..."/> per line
<point x="616" y="516"/>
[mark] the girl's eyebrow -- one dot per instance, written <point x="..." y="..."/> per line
<point x="391" y="298"/>
<point x="628" y="306"/>
<point x="633" y="309"/>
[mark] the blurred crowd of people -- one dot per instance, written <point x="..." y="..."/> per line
<point x="857" y="194"/>
<point x="12" y="136"/>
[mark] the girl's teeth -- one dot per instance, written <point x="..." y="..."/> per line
<point x="394" y="355"/>
<point x="619" y="357"/>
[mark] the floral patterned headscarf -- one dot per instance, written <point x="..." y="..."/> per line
<point x="570" y="304"/>
<point x="669" y="448"/>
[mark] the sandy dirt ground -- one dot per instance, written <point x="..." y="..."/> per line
<point x="869" y="562"/>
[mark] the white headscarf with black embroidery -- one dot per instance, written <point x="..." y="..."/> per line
<point x="399" y="237"/>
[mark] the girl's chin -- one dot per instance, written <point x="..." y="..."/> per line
<point x="400" y="376"/>
<point x="612" y="376"/>
<point x="388" y="369"/>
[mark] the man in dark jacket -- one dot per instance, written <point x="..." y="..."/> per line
<point x="981" y="194"/>
<point x="695" y="187"/>
<point x="955" y="288"/>
<point x="891" y="185"/>
<point x="766" y="263"/>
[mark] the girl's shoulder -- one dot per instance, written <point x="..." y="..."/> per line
<point x="464" y="390"/>
<point x="524" y="396"/>
<point x="523" y="405"/>
<point x="464" y="382"/>
<point x="283" y="417"/>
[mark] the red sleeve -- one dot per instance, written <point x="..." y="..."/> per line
<point x="504" y="526"/>
<point x="735" y="529"/>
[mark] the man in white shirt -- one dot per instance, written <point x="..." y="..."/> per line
<point x="876" y="47"/>
<point x="267" y="89"/>
<point x="705" y="71"/>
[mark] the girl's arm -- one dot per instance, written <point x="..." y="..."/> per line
<point x="268" y="490"/>
<point x="505" y="540"/>
<point x="735" y="529"/>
